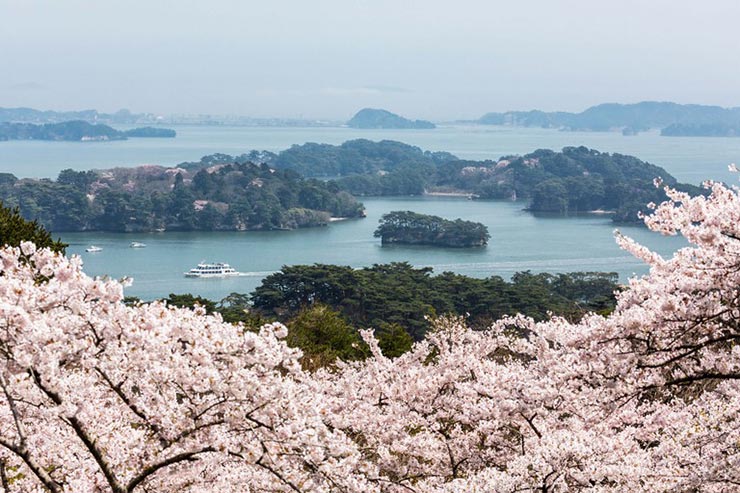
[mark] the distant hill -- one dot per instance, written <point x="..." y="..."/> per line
<point x="360" y="156"/>
<point x="631" y="117"/>
<point x="374" y="118"/>
<point x="77" y="130"/>
<point x="30" y="115"/>
<point x="353" y="157"/>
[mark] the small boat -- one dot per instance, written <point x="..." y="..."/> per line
<point x="93" y="249"/>
<point x="136" y="244"/>
<point x="218" y="269"/>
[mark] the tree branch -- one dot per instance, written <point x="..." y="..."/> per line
<point x="4" y="477"/>
<point x="46" y="480"/>
<point x="273" y="471"/>
<point x="82" y="434"/>
<point x="530" y="422"/>
<point x="153" y="468"/>
<point x="117" y="389"/>
<point x="14" y="411"/>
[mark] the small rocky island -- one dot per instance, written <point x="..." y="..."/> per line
<point x="374" y="118"/>
<point x="411" y="228"/>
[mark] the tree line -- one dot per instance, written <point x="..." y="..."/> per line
<point x="422" y="229"/>
<point x="241" y="196"/>
<point x="575" y="179"/>
<point x="399" y="301"/>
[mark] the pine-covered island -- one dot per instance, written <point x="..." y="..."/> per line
<point x="411" y="228"/>
<point x="192" y="197"/>
<point x="306" y="185"/>
<point x="572" y="180"/>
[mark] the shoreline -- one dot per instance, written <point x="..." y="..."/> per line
<point x="466" y="195"/>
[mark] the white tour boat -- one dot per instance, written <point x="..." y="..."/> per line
<point x="218" y="269"/>
<point x="93" y="249"/>
<point x="136" y="244"/>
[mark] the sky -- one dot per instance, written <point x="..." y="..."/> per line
<point x="326" y="59"/>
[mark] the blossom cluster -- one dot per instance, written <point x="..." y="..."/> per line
<point x="99" y="396"/>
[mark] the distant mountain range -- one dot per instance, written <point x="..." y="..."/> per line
<point x="126" y="117"/>
<point x="375" y="118"/>
<point x="673" y="119"/>
<point x="76" y="130"/>
<point x="676" y="119"/>
<point x="30" y="115"/>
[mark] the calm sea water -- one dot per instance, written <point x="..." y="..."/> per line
<point x="690" y="159"/>
<point x="520" y="240"/>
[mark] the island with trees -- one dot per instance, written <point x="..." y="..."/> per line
<point x="377" y="118"/>
<point x="233" y="197"/>
<point x="411" y="228"/>
<point x="572" y="180"/>
<point x="355" y="157"/>
<point x="77" y="130"/>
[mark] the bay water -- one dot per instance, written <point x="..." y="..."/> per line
<point x="519" y="240"/>
<point x="690" y="159"/>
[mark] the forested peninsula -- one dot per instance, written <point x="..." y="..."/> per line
<point x="398" y="294"/>
<point x="77" y="130"/>
<point x="223" y="192"/>
<point x="411" y="228"/>
<point x="232" y="197"/>
<point x="576" y="179"/>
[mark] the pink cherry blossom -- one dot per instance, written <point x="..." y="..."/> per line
<point x="97" y="396"/>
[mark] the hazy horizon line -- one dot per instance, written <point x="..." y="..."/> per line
<point x="303" y="117"/>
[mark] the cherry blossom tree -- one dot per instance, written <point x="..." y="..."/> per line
<point x="645" y="399"/>
<point x="99" y="396"/>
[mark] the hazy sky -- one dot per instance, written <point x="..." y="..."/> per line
<point x="329" y="58"/>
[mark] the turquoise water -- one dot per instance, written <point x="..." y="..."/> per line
<point x="520" y="241"/>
